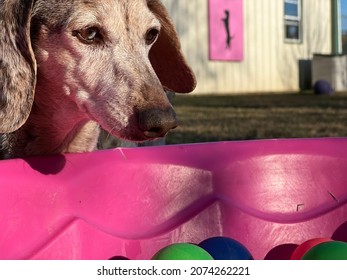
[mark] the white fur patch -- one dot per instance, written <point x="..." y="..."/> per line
<point x="83" y="95"/>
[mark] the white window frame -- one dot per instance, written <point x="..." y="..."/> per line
<point x="293" y="20"/>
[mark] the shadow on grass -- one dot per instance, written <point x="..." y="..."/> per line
<point x="214" y="118"/>
<point x="286" y="100"/>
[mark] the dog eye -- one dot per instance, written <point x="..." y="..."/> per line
<point x="151" y="36"/>
<point x="88" y="35"/>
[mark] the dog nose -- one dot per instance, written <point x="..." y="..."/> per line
<point x="156" y="123"/>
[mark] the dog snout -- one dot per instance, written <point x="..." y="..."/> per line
<point x="156" y="123"/>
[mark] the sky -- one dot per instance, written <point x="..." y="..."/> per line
<point x="343" y="4"/>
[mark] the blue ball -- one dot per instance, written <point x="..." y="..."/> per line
<point x="323" y="87"/>
<point x="224" y="248"/>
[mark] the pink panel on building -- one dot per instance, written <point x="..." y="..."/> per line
<point x="226" y="30"/>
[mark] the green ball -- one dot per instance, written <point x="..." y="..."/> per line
<point x="334" y="250"/>
<point x="182" y="251"/>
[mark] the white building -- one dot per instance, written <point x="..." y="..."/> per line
<point x="279" y="41"/>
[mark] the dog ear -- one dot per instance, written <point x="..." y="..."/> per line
<point x="17" y="64"/>
<point x="166" y="55"/>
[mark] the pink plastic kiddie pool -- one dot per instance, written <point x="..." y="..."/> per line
<point x="270" y="195"/>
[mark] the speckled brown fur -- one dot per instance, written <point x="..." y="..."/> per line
<point x="56" y="88"/>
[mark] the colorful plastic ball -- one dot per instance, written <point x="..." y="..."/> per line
<point x="182" y="251"/>
<point x="323" y="87"/>
<point x="118" y="258"/>
<point x="334" y="250"/>
<point x="224" y="248"/>
<point x="301" y="250"/>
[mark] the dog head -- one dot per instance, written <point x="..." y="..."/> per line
<point x="113" y="59"/>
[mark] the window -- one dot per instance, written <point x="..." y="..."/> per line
<point x="292" y="20"/>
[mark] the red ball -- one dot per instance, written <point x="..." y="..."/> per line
<point x="301" y="250"/>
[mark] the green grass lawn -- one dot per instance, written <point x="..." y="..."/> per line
<point x="208" y="118"/>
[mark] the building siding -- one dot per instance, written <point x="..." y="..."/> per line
<point x="270" y="64"/>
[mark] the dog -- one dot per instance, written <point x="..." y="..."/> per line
<point x="68" y="67"/>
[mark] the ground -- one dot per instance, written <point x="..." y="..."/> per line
<point x="206" y="118"/>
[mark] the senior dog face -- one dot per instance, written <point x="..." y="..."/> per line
<point x="69" y="66"/>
